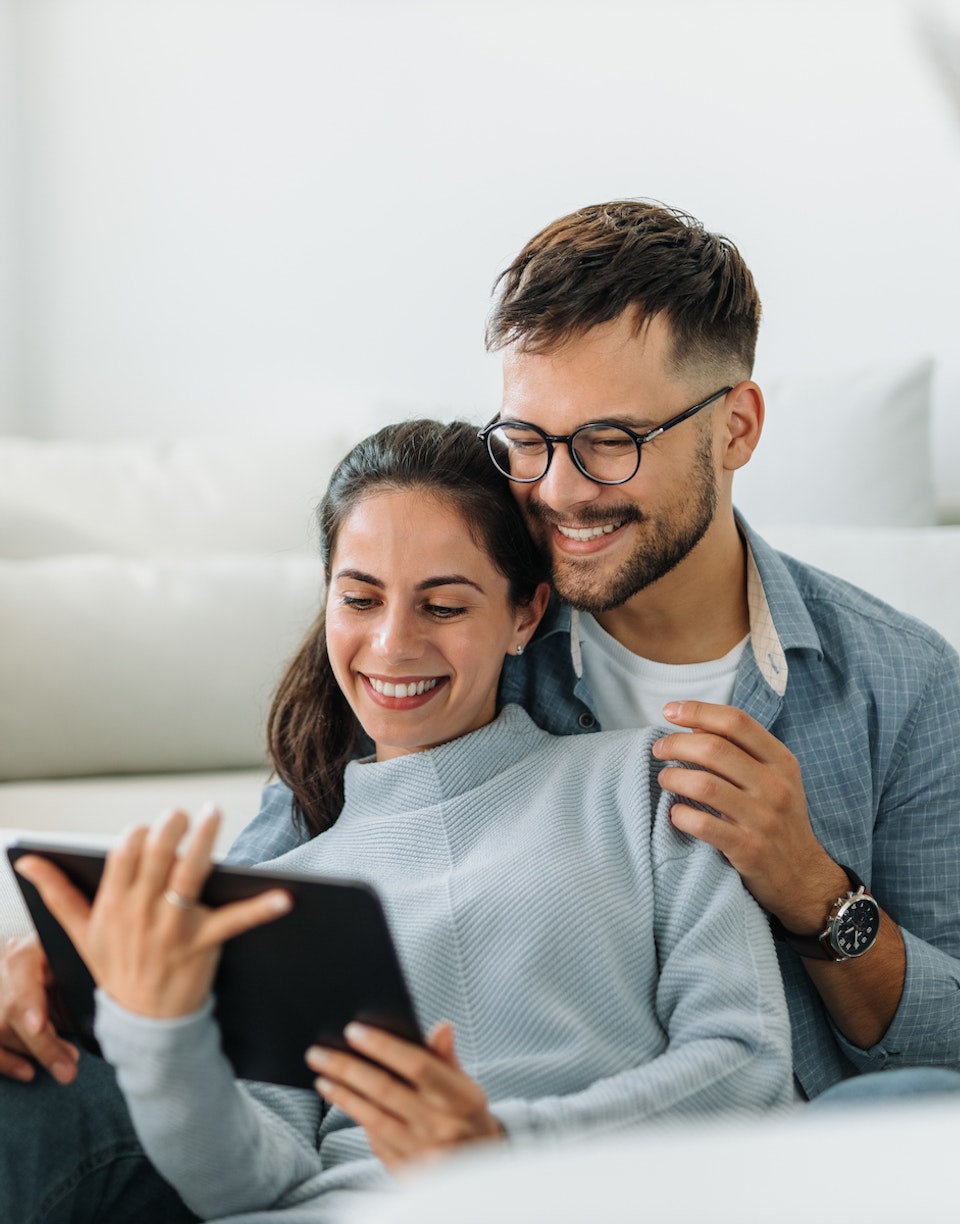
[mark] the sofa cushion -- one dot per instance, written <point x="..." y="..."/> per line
<point x="112" y="665"/>
<point x="148" y="498"/>
<point x="847" y="448"/>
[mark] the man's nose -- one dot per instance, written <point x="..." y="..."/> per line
<point x="565" y="485"/>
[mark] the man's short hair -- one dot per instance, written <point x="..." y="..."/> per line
<point x="591" y="266"/>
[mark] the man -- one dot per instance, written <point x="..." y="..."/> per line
<point x="825" y="725"/>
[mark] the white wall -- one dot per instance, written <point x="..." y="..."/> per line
<point x="243" y="212"/>
<point x="9" y="397"/>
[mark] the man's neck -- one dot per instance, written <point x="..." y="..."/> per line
<point x="695" y="613"/>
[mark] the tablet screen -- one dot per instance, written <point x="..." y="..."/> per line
<point x="281" y="987"/>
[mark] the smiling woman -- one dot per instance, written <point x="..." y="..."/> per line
<point x="416" y="636"/>
<point x="597" y="968"/>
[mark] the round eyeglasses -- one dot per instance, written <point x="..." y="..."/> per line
<point x="605" y="453"/>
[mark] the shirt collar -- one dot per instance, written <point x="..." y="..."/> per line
<point x="779" y="619"/>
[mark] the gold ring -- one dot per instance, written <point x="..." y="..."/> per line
<point x="179" y="900"/>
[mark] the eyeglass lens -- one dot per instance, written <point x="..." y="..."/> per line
<point x="604" y="452"/>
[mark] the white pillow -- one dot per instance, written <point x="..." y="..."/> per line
<point x="151" y="498"/>
<point x="110" y="665"/>
<point x="849" y="448"/>
<point x="915" y="569"/>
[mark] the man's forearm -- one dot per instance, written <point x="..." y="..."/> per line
<point x="862" y="995"/>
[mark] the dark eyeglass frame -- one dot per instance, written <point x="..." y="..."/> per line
<point x="552" y="439"/>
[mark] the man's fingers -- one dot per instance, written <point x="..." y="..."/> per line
<point x="730" y="723"/>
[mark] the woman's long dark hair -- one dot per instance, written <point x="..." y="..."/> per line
<point x="312" y="732"/>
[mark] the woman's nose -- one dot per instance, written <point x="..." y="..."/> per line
<point x="398" y="636"/>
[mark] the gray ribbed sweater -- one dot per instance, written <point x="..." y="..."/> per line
<point x="600" y="969"/>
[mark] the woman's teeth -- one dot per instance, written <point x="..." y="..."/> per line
<point x="414" y="689"/>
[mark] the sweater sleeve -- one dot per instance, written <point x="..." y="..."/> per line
<point x="224" y="1150"/>
<point x="720" y="1003"/>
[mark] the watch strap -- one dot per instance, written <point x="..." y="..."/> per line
<point x="817" y="947"/>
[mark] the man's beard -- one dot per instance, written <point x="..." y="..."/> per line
<point x="585" y="586"/>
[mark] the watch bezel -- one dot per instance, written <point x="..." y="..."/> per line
<point x="831" y="936"/>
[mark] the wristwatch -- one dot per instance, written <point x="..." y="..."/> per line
<point x="852" y="926"/>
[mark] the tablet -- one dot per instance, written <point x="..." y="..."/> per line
<point x="279" y="988"/>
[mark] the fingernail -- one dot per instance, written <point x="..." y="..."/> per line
<point x="33" y="1020"/>
<point x="23" y="1073"/>
<point x="323" y="1086"/>
<point x="657" y="746"/>
<point x="208" y="810"/>
<point x="281" y="902"/>
<point x="317" y="1057"/>
<point x="356" y="1033"/>
<point x="671" y="709"/>
<point x="63" y="1070"/>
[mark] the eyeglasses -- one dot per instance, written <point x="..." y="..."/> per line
<point x="605" y="453"/>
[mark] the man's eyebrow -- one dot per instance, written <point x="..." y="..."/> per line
<point x="427" y="584"/>
<point x="639" y="424"/>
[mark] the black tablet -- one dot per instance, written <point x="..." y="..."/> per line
<point x="280" y="987"/>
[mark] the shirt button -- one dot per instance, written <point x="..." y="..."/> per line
<point x="587" y="721"/>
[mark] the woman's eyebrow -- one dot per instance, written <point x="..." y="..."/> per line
<point x="428" y="584"/>
<point x="448" y="580"/>
<point x="358" y="576"/>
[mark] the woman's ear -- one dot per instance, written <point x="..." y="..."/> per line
<point x="530" y="615"/>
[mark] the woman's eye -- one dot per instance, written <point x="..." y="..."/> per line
<point x="444" y="612"/>
<point x="360" y="602"/>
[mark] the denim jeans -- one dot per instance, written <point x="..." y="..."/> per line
<point x="69" y="1155"/>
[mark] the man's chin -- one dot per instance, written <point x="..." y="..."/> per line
<point x="586" y="594"/>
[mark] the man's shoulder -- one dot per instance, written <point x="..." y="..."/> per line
<point x="855" y="615"/>
<point x="843" y="615"/>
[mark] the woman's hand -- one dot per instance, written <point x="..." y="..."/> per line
<point x="416" y="1103"/>
<point x="146" y="940"/>
<point x="26" y="1028"/>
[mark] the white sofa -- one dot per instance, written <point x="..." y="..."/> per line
<point x="150" y="593"/>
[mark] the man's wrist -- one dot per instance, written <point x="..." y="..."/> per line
<point x="806" y="914"/>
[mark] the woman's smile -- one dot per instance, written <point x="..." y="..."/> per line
<point x="403" y="692"/>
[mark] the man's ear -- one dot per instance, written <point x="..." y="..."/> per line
<point x="530" y="615"/>
<point x="744" y="410"/>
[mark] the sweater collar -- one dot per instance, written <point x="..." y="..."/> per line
<point x="420" y="779"/>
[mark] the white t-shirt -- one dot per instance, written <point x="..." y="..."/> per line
<point x="630" y="691"/>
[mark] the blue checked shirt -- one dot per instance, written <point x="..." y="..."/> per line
<point x="868" y="700"/>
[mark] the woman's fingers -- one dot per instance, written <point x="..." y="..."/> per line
<point x="228" y="921"/>
<point x="188" y="874"/>
<point x="67" y="904"/>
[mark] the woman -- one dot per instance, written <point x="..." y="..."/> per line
<point x="598" y="968"/>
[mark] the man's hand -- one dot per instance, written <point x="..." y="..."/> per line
<point x="415" y="1104"/>
<point x="753" y="782"/>
<point x="26" y="1030"/>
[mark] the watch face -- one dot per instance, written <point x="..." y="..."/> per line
<point x="855" y="926"/>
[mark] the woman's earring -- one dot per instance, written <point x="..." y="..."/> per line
<point x="519" y="648"/>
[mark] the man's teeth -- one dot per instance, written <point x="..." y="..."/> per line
<point x="587" y="533"/>
<point x="413" y="689"/>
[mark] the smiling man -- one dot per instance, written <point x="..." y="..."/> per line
<point x="822" y="727"/>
